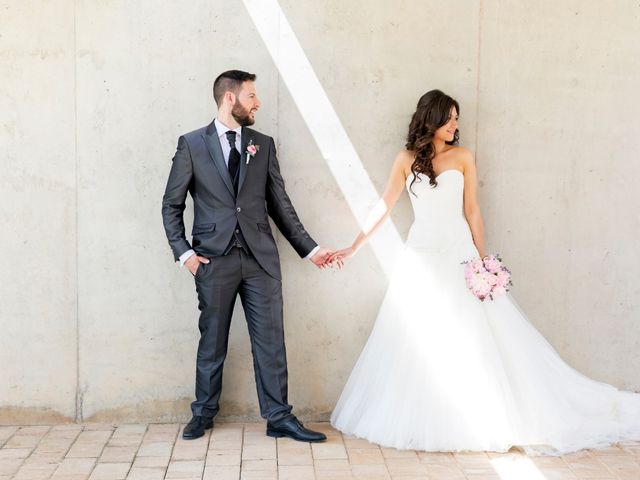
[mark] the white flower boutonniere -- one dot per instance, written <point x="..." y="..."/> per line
<point x="251" y="150"/>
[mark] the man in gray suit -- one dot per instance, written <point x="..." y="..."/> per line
<point x="233" y="176"/>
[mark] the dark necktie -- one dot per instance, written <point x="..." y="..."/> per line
<point x="234" y="159"/>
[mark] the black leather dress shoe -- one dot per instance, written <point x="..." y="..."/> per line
<point x="294" y="429"/>
<point x="196" y="427"/>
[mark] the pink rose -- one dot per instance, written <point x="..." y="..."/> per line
<point x="477" y="265"/>
<point x="492" y="264"/>
<point x="479" y="285"/>
<point x="251" y="149"/>
<point x="468" y="270"/>
<point x="503" y="277"/>
<point x="491" y="279"/>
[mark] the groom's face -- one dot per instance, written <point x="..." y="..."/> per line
<point x="246" y="105"/>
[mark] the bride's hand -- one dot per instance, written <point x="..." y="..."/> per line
<point x="340" y="256"/>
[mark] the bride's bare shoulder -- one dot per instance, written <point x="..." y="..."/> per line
<point x="463" y="156"/>
<point x="463" y="153"/>
<point x="405" y="157"/>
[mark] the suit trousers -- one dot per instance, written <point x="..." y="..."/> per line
<point x="218" y="283"/>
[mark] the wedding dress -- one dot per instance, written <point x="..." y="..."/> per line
<point x="442" y="371"/>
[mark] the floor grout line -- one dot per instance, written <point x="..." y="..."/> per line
<point x="613" y="463"/>
<point x="241" y="450"/>
<point x="10" y="436"/>
<point x="66" y="452"/>
<point x="135" y="455"/>
<point x="173" y="447"/>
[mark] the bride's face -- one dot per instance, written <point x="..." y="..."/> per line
<point x="448" y="130"/>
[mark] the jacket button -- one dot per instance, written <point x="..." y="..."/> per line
<point x="238" y="209"/>
<point x="237" y="230"/>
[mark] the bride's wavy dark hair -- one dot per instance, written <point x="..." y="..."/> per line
<point x="432" y="112"/>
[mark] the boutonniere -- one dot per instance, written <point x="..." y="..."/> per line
<point x="251" y="150"/>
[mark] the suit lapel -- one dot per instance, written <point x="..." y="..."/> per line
<point x="215" y="150"/>
<point x="246" y="134"/>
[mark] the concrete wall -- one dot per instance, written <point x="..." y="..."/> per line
<point x="96" y="321"/>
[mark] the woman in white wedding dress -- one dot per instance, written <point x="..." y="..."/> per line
<point x="443" y="371"/>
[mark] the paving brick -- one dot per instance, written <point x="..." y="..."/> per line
<point x="223" y="459"/>
<point x="155" y="449"/>
<point x="110" y="471"/>
<point x="151" y="461"/>
<point x="405" y="466"/>
<point x="43" y="458"/>
<point x="14" y="453"/>
<point x="213" y="472"/>
<point x="75" y="466"/>
<point x="296" y="472"/>
<point x="394" y="453"/>
<point x="444" y="471"/>
<point x="6" y="433"/>
<point x="38" y="472"/>
<point x="370" y="472"/>
<point x="146" y="474"/>
<point x="9" y="466"/>
<point x="259" y="465"/>
<point x="360" y="456"/>
<point x="258" y="475"/>
<point x="185" y="470"/>
<point x="26" y="437"/>
<point x="89" y="444"/>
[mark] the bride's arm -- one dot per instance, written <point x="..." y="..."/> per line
<point x="384" y="206"/>
<point x="471" y="207"/>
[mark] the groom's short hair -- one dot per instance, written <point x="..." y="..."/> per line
<point x="230" y="80"/>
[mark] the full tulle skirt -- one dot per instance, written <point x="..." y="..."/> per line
<point x="443" y="371"/>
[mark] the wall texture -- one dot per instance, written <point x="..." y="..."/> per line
<point x="97" y="323"/>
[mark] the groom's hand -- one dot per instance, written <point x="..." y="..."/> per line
<point x="193" y="262"/>
<point x="321" y="257"/>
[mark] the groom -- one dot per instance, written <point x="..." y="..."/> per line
<point x="233" y="176"/>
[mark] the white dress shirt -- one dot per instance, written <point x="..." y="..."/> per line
<point x="222" y="130"/>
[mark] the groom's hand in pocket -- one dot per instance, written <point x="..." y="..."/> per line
<point x="193" y="262"/>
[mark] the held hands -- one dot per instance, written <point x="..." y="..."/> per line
<point x="321" y="257"/>
<point x="326" y="258"/>
<point x="338" y="258"/>
<point x="193" y="262"/>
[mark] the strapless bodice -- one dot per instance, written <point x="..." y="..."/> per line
<point x="439" y="217"/>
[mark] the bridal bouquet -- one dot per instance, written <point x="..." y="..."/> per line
<point x="487" y="277"/>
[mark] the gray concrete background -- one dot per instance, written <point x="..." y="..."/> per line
<point x="97" y="323"/>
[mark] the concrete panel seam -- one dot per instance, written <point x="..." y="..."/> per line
<point x="478" y="60"/>
<point x="78" y="399"/>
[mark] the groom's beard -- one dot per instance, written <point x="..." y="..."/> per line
<point x="242" y="115"/>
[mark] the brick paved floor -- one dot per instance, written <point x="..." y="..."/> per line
<point x="243" y="452"/>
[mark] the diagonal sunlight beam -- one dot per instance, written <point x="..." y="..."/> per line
<point x="323" y="123"/>
<point x="516" y="467"/>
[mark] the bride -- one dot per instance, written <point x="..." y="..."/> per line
<point x="442" y="371"/>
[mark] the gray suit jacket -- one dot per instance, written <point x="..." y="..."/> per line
<point x="199" y="168"/>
